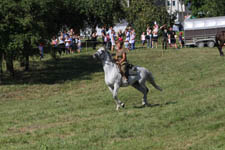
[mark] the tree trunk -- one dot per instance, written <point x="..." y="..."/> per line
<point x="22" y="62"/>
<point x="1" y="70"/>
<point x="25" y="56"/>
<point x="27" y="62"/>
<point x="9" y="64"/>
<point x="53" y="52"/>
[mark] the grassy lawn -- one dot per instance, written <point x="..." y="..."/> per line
<point x="65" y="104"/>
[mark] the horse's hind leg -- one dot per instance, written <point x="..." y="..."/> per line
<point x="220" y="50"/>
<point x="143" y="89"/>
<point x="220" y="47"/>
<point x="114" y="91"/>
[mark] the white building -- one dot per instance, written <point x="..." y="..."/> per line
<point x="174" y="7"/>
<point x="177" y="8"/>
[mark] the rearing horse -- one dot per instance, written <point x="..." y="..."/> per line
<point x="113" y="77"/>
<point x="220" y="40"/>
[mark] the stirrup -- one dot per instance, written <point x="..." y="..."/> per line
<point x="125" y="81"/>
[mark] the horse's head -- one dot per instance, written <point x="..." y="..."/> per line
<point x="101" y="54"/>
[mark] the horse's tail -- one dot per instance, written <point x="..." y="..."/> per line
<point x="152" y="81"/>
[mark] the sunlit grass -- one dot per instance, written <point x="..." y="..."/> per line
<point x="65" y="104"/>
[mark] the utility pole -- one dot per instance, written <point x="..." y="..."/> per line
<point x="171" y="12"/>
<point x="182" y="10"/>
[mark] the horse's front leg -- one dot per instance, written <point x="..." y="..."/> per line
<point x="143" y="89"/>
<point x="114" y="90"/>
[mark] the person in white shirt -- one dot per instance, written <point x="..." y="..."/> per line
<point x="127" y="39"/>
<point x="113" y="40"/>
<point x="78" y="44"/>
<point x="68" y="42"/>
<point x="61" y="44"/>
<point x="155" y="35"/>
<point x="143" y="39"/>
<point x="132" y="39"/>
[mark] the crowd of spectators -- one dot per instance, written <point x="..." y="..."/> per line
<point x="168" y="37"/>
<point x="110" y="37"/>
<point x="151" y="36"/>
<point x="67" y="42"/>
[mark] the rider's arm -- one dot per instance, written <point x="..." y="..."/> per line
<point x="162" y="26"/>
<point x="116" y="57"/>
<point x="124" y="58"/>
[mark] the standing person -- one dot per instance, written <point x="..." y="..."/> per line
<point x="110" y="32"/>
<point x="71" y="44"/>
<point x="41" y="49"/>
<point x="71" y="32"/>
<point x="94" y="39"/>
<point x="121" y="61"/>
<point x="103" y="32"/>
<point x="61" y="44"/>
<point x="143" y="39"/>
<point x="120" y="35"/>
<point x="68" y="42"/>
<point x="65" y="33"/>
<point x="113" y="40"/>
<point x="172" y="36"/>
<point x="54" y="43"/>
<point x="107" y="40"/>
<point x="79" y="44"/>
<point x="155" y="35"/>
<point x="149" y="37"/>
<point x="164" y="37"/>
<point x="127" y="39"/>
<point x="74" y="42"/>
<point x="181" y="41"/>
<point x="132" y="39"/>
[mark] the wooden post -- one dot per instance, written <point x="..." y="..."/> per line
<point x="86" y="45"/>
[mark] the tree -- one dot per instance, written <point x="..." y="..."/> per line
<point x="23" y="23"/>
<point x="103" y="12"/>
<point x="143" y="13"/>
<point x="207" y="8"/>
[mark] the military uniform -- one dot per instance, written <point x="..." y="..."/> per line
<point x="123" y="65"/>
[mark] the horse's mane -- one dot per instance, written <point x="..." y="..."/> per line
<point x="110" y="56"/>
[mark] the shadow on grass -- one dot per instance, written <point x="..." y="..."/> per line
<point x="78" y="67"/>
<point x="155" y="105"/>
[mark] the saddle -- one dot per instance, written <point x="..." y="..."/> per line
<point x="131" y="70"/>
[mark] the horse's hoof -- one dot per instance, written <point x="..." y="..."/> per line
<point x="146" y="105"/>
<point x="123" y="105"/>
<point x="117" y="107"/>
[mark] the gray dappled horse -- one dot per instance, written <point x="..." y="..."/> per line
<point x="113" y="77"/>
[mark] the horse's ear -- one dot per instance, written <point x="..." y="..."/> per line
<point x="107" y="50"/>
<point x="104" y="48"/>
<point x="101" y="48"/>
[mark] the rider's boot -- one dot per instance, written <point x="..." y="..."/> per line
<point x="125" y="81"/>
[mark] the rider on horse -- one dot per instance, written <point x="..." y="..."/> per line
<point x="121" y="60"/>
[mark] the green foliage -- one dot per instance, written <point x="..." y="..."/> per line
<point x="23" y="23"/>
<point x="207" y="8"/>
<point x="103" y="12"/>
<point x="142" y="13"/>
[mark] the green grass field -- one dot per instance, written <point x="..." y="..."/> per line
<point x="65" y="104"/>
